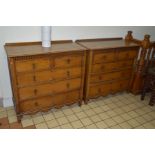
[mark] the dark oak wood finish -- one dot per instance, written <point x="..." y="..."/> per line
<point x="109" y="66"/>
<point x="43" y="78"/>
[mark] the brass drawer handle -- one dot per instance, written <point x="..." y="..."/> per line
<point x="35" y="91"/>
<point x="68" y="61"/>
<point x="68" y="73"/>
<point x="68" y="85"/>
<point x="34" y="66"/>
<point x="36" y="103"/>
<point x="34" y="78"/>
<point x="99" y="90"/>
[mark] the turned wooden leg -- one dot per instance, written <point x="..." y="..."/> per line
<point x="19" y="117"/>
<point x="144" y="89"/>
<point x="152" y="100"/>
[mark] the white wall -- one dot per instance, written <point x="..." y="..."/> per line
<point x="32" y="33"/>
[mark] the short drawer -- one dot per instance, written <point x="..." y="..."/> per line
<point x="105" y="77"/>
<point x="67" y="61"/>
<point x="32" y="78"/>
<point x="67" y="73"/>
<point x="107" y="67"/>
<point x="104" y="57"/>
<point x="125" y="64"/>
<point x="32" y="64"/>
<point x="127" y="54"/>
<point x="99" y="90"/>
<point x="66" y="98"/>
<point x="36" y="105"/>
<point x="34" y="91"/>
<point x="67" y="85"/>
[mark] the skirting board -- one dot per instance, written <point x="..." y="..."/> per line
<point x="7" y="102"/>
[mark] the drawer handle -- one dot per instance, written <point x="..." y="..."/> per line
<point x="34" y="66"/>
<point x="68" y="73"/>
<point x="100" y="77"/>
<point x="35" y="91"/>
<point x="36" y="103"/>
<point x="104" y="57"/>
<point x="99" y="90"/>
<point x="34" y="78"/>
<point x="68" y="85"/>
<point x="68" y="61"/>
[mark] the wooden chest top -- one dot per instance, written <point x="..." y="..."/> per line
<point x="106" y="44"/>
<point x="30" y="49"/>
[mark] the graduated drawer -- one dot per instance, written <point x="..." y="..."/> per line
<point x="126" y="54"/>
<point x="36" y="104"/>
<point x="68" y="61"/>
<point x="36" y="77"/>
<point x="66" y="98"/>
<point x="106" y="67"/>
<point x="111" y="76"/>
<point x="50" y="88"/>
<point x="104" y="56"/>
<point x="32" y="64"/>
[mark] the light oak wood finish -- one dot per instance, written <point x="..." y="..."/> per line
<point x="109" y="66"/>
<point x="44" y="78"/>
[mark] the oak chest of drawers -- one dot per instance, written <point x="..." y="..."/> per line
<point x="109" y="66"/>
<point x="43" y="78"/>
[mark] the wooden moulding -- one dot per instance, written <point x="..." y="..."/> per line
<point x="37" y="43"/>
<point x="137" y="80"/>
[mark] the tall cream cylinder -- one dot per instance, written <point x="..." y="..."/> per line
<point x="46" y="36"/>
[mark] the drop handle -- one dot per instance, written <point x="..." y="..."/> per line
<point x="36" y="103"/>
<point x="34" y="66"/>
<point x="68" y="61"/>
<point x="35" y="91"/>
<point x="68" y="85"/>
<point x="68" y="73"/>
<point x="34" y="78"/>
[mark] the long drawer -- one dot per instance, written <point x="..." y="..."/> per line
<point x="109" y="67"/>
<point x="58" y="74"/>
<point x="50" y="88"/>
<point x="49" y="102"/>
<point x="111" y="76"/>
<point x="34" y="64"/>
<point x="125" y="55"/>
<point x="107" y="88"/>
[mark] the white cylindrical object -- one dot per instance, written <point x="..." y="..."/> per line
<point x="46" y="36"/>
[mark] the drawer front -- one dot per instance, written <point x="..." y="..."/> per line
<point x="104" y="57"/>
<point x="104" y="67"/>
<point x="68" y="61"/>
<point x="66" y="98"/>
<point x="124" y="55"/>
<point x="67" y="73"/>
<point x="100" y="90"/>
<point x="36" y="105"/>
<point x="105" y="77"/>
<point x="124" y="85"/>
<point x="45" y="89"/>
<point x="126" y="74"/>
<point x="30" y="92"/>
<point x="32" y="78"/>
<point x="67" y="85"/>
<point x="32" y="65"/>
<point x="125" y="64"/>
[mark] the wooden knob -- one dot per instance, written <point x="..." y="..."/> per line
<point x="102" y="67"/>
<point x="104" y="57"/>
<point x="68" y="73"/>
<point x="100" y="77"/>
